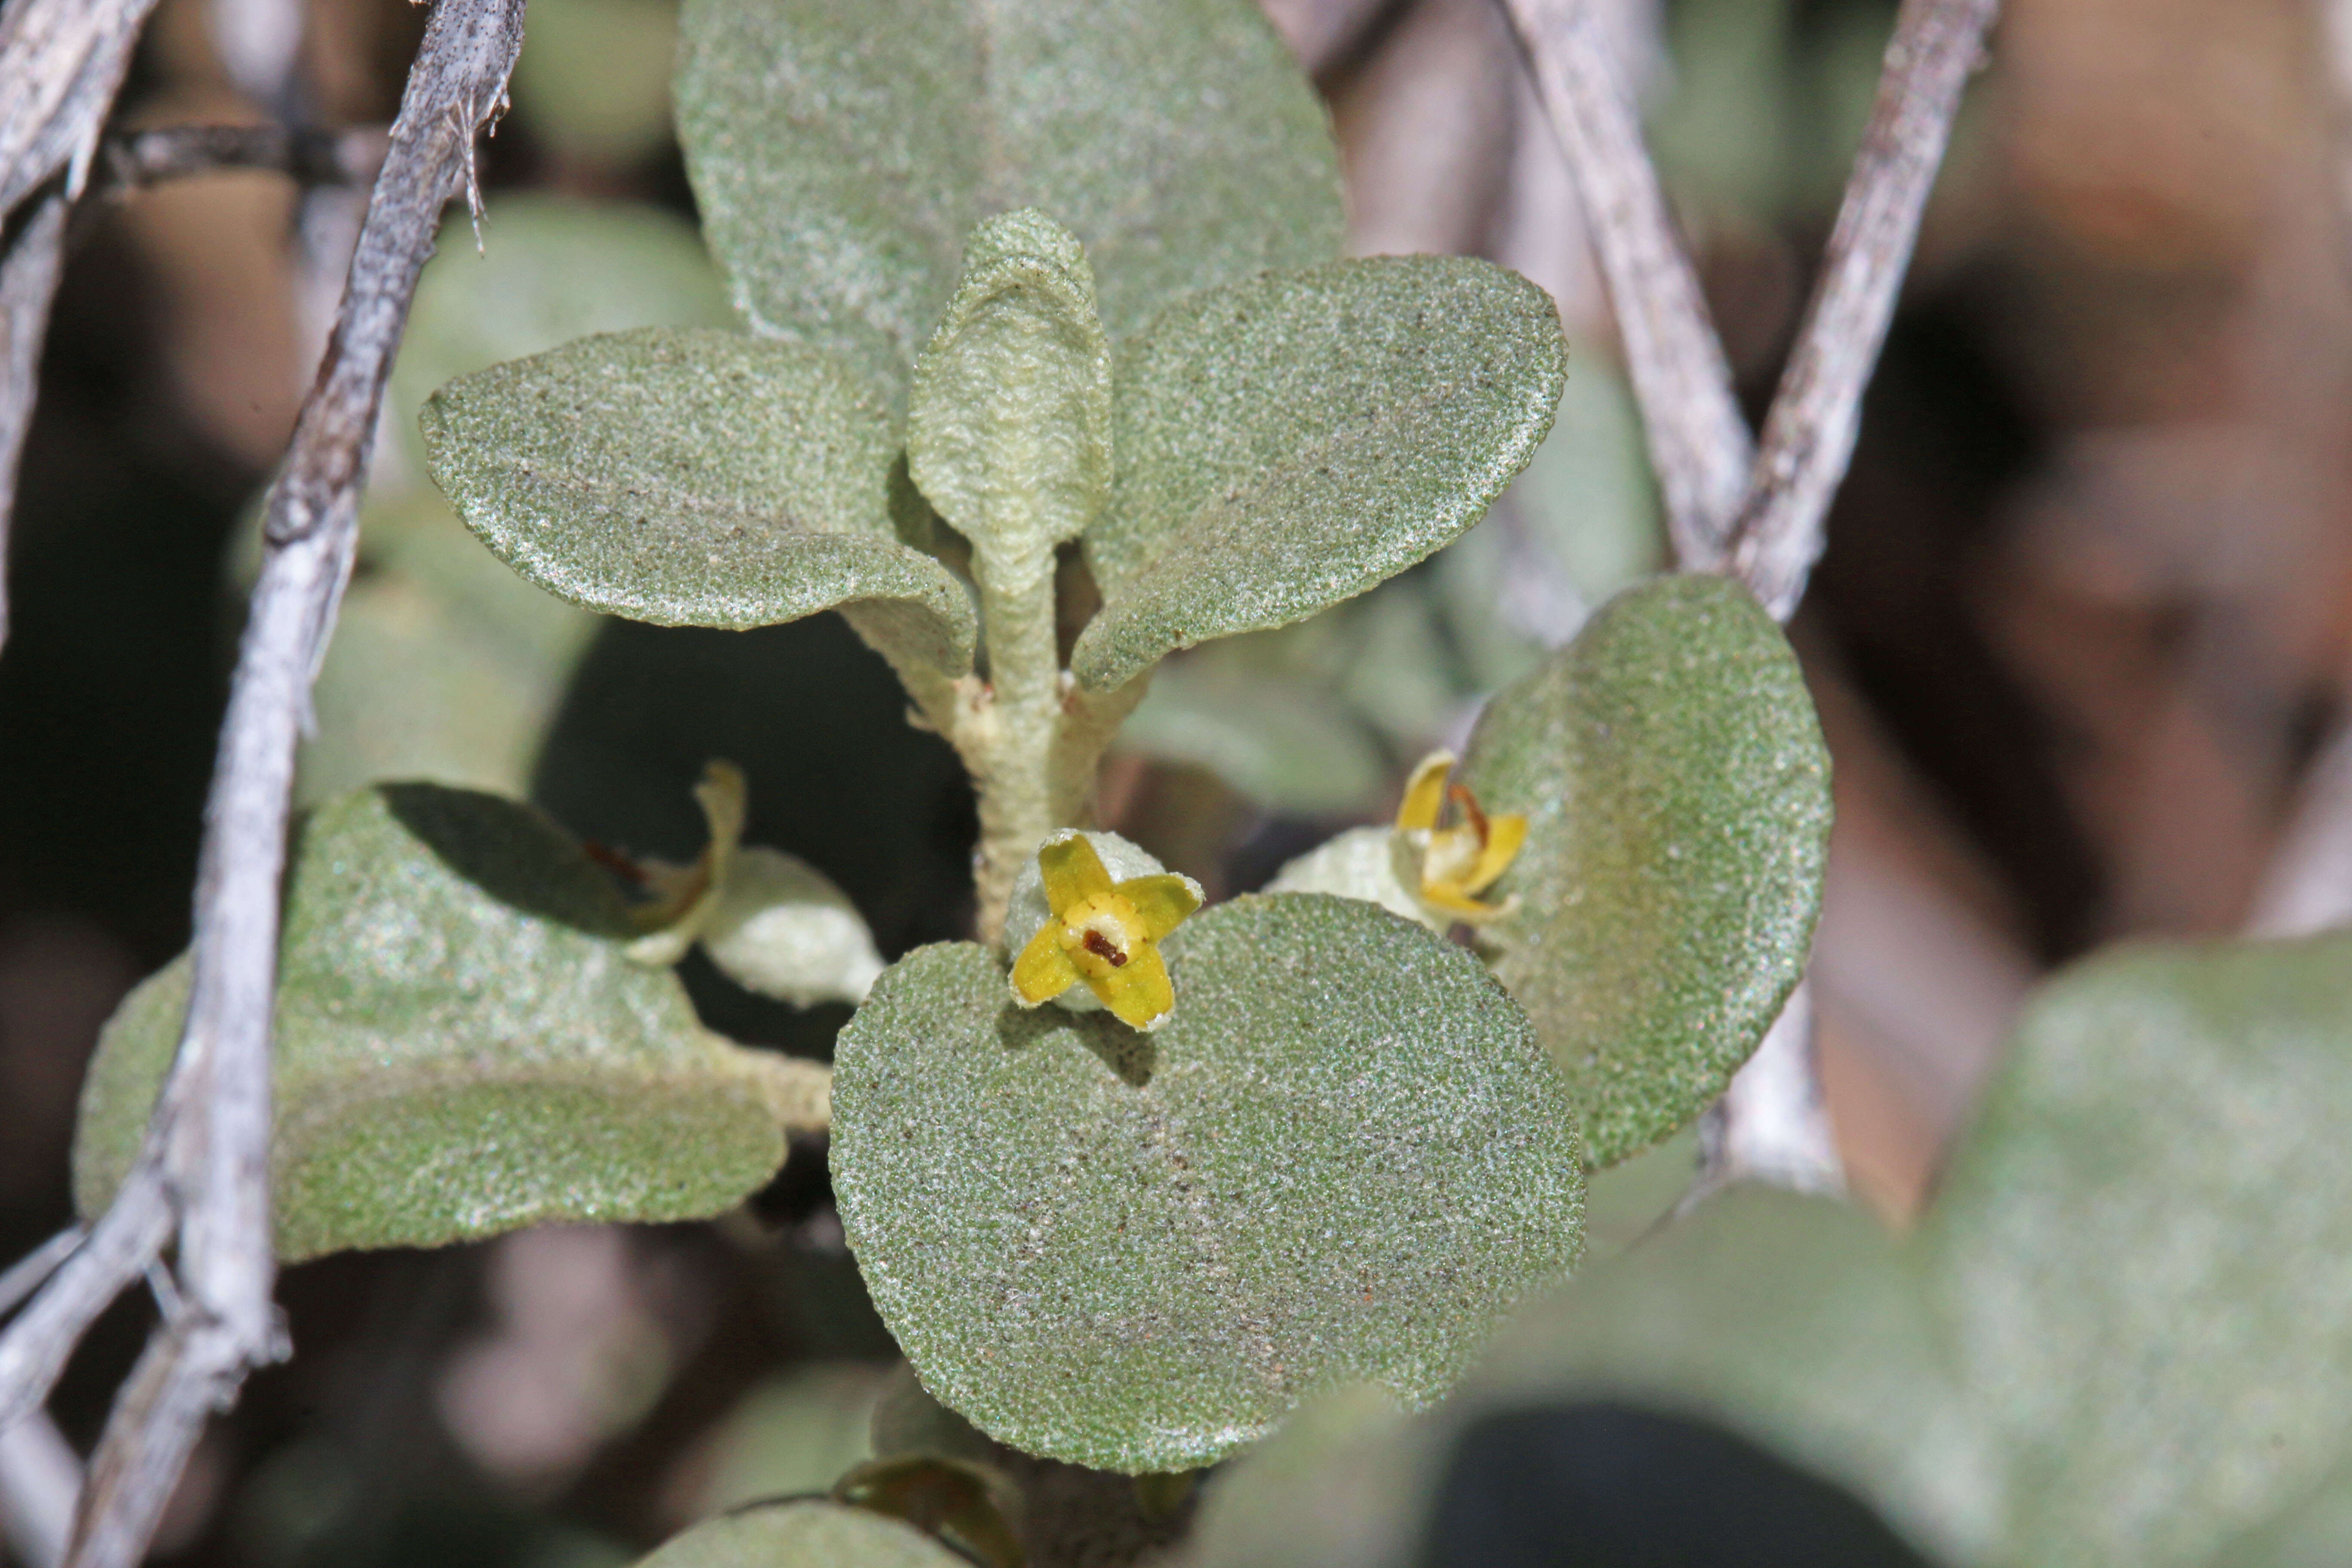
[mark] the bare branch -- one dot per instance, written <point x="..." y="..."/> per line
<point x="128" y="1237"/>
<point x="133" y="160"/>
<point x="62" y="60"/>
<point x="1772" y="1124"/>
<point x="28" y="284"/>
<point x="1809" y="434"/>
<point x="205" y="1160"/>
<point x="40" y="1480"/>
<point x="1698" y="442"/>
<point x="2308" y="885"/>
<point x="24" y="1275"/>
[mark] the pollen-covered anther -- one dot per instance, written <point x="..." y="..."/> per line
<point x="1102" y="935"/>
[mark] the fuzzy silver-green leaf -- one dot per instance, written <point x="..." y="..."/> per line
<point x="2145" y="1251"/>
<point x="803" y="1533"/>
<point x="1676" y="789"/>
<point x="1288" y="442"/>
<point x="692" y="477"/>
<point x="1342" y="1159"/>
<point x="1795" y="1322"/>
<point x="1008" y="423"/>
<point x="841" y="150"/>
<point x="461" y="1046"/>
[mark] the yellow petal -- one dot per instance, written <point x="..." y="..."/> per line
<point x="1450" y="900"/>
<point x="1073" y="872"/>
<point x="1424" y="794"/>
<point x="1139" y="992"/>
<point x="1160" y="902"/>
<point x="1043" y="971"/>
<point x="1506" y="832"/>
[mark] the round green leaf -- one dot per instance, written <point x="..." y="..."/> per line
<point x="841" y="150"/>
<point x="1342" y="1159"/>
<point x="803" y="1533"/>
<point x="1288" y="442"/>
<point x="461" y="1046"/>
<point x="2144" y="1248"/>
<point x="690" y="477"/>
<point x="1676" y="790"/>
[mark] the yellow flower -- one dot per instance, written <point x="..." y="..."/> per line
<point x="1460" y="862"/>
<point x="1104" y="935"/>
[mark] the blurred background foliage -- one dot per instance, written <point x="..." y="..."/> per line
<point x="2085" y="611"/>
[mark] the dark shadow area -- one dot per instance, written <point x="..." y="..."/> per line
<point x="1129" y="1053"/>
<point x="816" y="722"/>
<point x="511" y="852"/>
<point x="1606" y="1486"/>
<point x="837" y="776"/>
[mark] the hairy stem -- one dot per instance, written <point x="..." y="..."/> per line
<point x="1012" y="726"/>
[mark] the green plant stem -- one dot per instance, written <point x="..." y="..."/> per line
<point x="1007" y="737"/>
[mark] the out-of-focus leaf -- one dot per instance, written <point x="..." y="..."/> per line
<point x="462" y="1046"/>
<point x="593" y="77"/>
<point x="1405" y="679"/>
<point x="1282" y="741"/>
<point x="1342" y="1159"/>
<point x="1288" y="442"/>
<point x="1008" y="425"/>
<point x="691" y="478"/>
<point x="1587" y="499"/>
<point x="1794" y="1323"/>
<point x="1333" y="1487"/>
<point x="2316" y="1532"/>
<point x="841" y="150"/>
<point x="1579" y="525"/>
<point x="445" y="666"/>
<point x="2143" y="1249"/>
<point x="1676" y="790"/>
<point x="550" y="270"/>
<point x="803" y="1533"/>
<point x="795" y="1433"/>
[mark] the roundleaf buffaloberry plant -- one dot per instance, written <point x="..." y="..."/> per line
<point x="1044" y="368"/>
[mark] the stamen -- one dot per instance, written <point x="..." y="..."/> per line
<point x="1094" y="941"/>
<point x="1469" y="805"/>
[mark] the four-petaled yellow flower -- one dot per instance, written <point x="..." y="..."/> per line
<point x="1460" y="862"/>
<point x="1104" y="935"/>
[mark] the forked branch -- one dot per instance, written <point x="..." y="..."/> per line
<point x="203" y="1173"/>
<point x="1809" y="432"/>
<point x="1759" y="515"/>
<point x="1698" y="441"/>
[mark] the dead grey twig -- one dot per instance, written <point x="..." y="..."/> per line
<point x="1809" y="432"/>
<point x="41" y="1481"/>
<point x="28" y="284"/>
<point x="2308" y="884"/>
<point x="60" y="61"/>
<point x="24" y="1275"/>
<point x="204" y="1163"/>
<point x="1698" y="441"/>
<point x="133" y="160"/>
